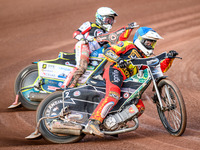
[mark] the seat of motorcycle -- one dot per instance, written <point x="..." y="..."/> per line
<point x="96" y="82"/>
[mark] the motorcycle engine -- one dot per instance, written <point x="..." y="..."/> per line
<point x="113" y="121"/>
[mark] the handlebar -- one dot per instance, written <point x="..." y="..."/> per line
<point x="132" y="27"/>
<point x="149" y="61"/>
<point x="175" y="57"/>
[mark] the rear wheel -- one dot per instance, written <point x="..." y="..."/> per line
<point x="25" y="78"/>
<point x="173" y="116"/>
<point x="49" y="107"/>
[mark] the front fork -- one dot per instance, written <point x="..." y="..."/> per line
<point x="157" y="91"/>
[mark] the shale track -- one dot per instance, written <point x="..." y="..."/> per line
<point x="39" y="29"/>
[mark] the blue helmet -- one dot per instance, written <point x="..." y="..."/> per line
<point x="145" y="39"/>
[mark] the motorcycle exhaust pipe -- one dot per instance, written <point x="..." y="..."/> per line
<point x="66" y="128"/>
<point x="37" y="97"/>
<point x="123" y="130"/>
<point x="66" y="131"/>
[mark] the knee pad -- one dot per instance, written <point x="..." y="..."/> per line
<point x="114" y="92"/>
<point x="115" y="95"/>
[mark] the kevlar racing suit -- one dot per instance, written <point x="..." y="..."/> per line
<point x="85" y="45"/>
<point x="114" y="75"/>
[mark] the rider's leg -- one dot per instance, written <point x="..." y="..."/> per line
<point x="114" y="80"/>
<point x="82" y="59"/>
<point x="69" y="78"/>
<point x="78" y="73"/>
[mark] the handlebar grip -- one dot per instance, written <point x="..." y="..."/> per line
<point x="175" y="57"/>
<point x="132" y="27"/>
<point x="179" y="57"/>
<point x="128" y="28"/>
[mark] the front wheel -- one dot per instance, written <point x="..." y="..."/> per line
<point x="173" y="115"/>
<point x="51" y="106"/>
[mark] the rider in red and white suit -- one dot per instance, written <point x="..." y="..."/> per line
<point x="86" y="44"/>
<point x="142" y="46"/>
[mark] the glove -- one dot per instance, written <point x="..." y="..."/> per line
<point x="122" y="63"/>
<point x="132" y="25"/>
<point x="105" y="46"/>
<point x="172" y="54"/>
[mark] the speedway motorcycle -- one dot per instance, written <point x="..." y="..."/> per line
<point x="37" y="80"/>
<point x="63" y="115"/>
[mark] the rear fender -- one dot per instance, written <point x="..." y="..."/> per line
<point x="35" y="62"/>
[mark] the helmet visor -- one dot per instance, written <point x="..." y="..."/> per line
<point x="149" y="44"/>
<point x="108" y="20"/>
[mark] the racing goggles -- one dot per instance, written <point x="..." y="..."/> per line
<point x="149" y="44"/>
<point x="108" y="20"/>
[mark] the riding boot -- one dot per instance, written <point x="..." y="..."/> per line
<point x="93" y="128"/>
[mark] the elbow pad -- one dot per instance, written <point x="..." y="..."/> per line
<point x="111" y="55"/>
<point x="77" y="35"/>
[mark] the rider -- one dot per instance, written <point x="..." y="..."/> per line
<point x="142" y="47"/>
<point x="85" y="35"/>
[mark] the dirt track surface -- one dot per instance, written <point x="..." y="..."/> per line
<point x="39" y="29"/>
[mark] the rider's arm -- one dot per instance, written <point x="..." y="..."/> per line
<point x="125" y="34"/>
<point x="128" y="30"/>
<point x="84" y="28"/>
<point x="113" y="53"/>
<point x="110" y="55"/>
<point x="166" y="64"/>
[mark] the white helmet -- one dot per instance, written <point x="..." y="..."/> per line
<point x="145" y="39"/>
<point x="105" y="17"/>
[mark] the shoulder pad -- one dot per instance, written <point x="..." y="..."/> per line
<point x="128" y="42"/>
<point x="123" y="43"/>
<point x="95" y="25"/>
<point x="85" y="26"/>
<point x="120" y="44"/>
